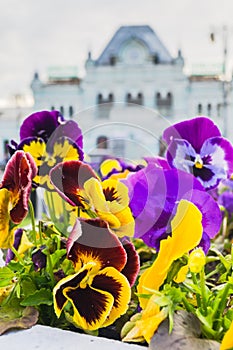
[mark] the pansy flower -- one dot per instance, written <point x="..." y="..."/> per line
<point x="154" y="195"/>
<point x="98" y="292"/>
<point x="197" y="147"/>
<point x="49" y="139"/>
<point x="15" y="189"/>
<point x="77" y="183"/>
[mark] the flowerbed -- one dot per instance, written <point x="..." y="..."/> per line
<point x="138" y="252"/>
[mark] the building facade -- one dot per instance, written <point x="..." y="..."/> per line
<point x="130" y="94"/>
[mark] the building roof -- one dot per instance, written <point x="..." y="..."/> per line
<point x="143" y="33"/>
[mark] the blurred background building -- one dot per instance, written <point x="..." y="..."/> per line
<point x="128" y="95"/>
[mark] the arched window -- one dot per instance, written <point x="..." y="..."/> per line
<point x="71" y="111"/>
<point x="102" y="142"/>
<point x="199" y="108"/>
<point x="110" y="97"/>
<point x="219" y="109"/>
<point x="164" y="102"/>
<point x="140" y="99"/>
<point x="129" y="98"/>
<point x="99" y="98"/>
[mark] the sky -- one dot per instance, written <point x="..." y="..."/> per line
<point x="35" y="35"/>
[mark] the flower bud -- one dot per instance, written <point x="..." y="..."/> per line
<point x="197" y="260"/>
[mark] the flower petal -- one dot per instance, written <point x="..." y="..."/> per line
<point x="184" y="238"/>
<point x="195" y="131"/>
<point x="71" y="281"/>
<point x="68" y="178"/>
<point x="91" y="306"/>
<point x="132" y="266"/>
<point x="40" y="124"/>
<point x="17" y="178"/>
<point x="91" y="240"/>
<point x="6" y="236"/>
<point x="115" y="283"/>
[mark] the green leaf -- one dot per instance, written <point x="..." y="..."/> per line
<point x="42" y="296"/>
<point x="185" y="335"/>
<point x="17" y="317"/>
<point x="57" y="255"/>
<point x="5" y="272"/>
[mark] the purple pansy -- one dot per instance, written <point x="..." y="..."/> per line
<point x="154" y="196"/>
<point x="196" y="146"/>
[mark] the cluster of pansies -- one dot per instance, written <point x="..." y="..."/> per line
<point x="131" y="248"/>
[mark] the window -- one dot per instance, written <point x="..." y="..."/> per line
<point x="165" y="102"/>
<point x="52" y="108"/>
<point x="209" y="108"/>
<point x="199" y="108"/>
<point x="112" y="60"/>
<point x="62" y="110"/>
<point x="219" y="110"/>
<point x="102" y="142"/>
<point x="156" y="59"/>
<point x="138" y="100"/>
<point x="99" y="98"/>
<point x="71" y="111"/>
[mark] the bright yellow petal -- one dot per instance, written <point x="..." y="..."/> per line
<point x="227" y="342"/>
<point x="119" y="287"/>
<point x="109" y="165"/>
<point x="181" y="276"/>
<point x="127" y="223"/>
<point x="116" y="194"/>
<point x="150" y="325"/>
<point x="37" y="148"/>
<point x="25" y="244"/>
<point x="93" y="190"/>
<point x="186" y="234"/>
<point x="6" y="236"/>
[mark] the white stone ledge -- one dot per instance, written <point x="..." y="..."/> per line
<point x="48" y="338"/>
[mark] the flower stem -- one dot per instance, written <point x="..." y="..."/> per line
<point x="16" y="253"/>
<point x="196" y="283"/>
<point x="221" y="306"/>
<point x="203" y="291"/>
<point x="32" y="216"/>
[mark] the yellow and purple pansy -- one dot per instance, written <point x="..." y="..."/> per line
<point x="154" y="196"/>
<point x="77" y="183"/>
<point x="98" y="291"/>
<point x="197" y="147"/>
<point x="49" y="139"/>
<point x="15" y="189"/>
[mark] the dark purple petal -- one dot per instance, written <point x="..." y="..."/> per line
<point x="17" y="178"/>
<point x="40" y="124"/>
<point x="10" y="255"/>
<point x="132" y="266"/>
<point x="196" y="131"/>
<point x="68" y="179"/>
<point x="39" y="258"/>
<point x="93" y="240"/>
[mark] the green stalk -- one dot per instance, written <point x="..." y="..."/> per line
<point x="16" y="253"/>
<point x="188" y="306"/>
<point x="221" y="306"/>
<point x="203" y="291"/>
<point x="32" y="216"/>
<point x="194" y="278"/>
